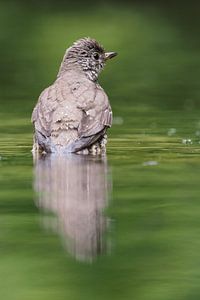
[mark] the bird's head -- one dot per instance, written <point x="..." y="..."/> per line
<point x="89" y="55"/>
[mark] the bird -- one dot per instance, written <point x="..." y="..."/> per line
<point x="73" y="114"/>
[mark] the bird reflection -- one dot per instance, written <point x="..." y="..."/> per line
<point x="75" y="188"/>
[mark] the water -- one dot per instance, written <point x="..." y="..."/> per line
<point x="125" y="226"/>
<point x="75" y="189"/>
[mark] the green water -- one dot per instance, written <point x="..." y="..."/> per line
<point x="126" y="226"/>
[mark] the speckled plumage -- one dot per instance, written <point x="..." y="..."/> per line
<point x="73" y="114"/>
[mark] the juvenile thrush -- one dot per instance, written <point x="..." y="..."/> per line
<point x="73" y="114"/>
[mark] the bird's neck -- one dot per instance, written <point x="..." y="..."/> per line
<point x="91" y="75"/>
<point x="73" y="65"/>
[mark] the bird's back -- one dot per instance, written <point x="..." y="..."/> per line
<point x="72" y="108"/>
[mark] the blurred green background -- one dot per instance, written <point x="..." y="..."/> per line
<point x="157" y="69"/>
<point x="153" y="149"/>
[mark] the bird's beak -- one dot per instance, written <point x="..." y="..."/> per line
<point x="109" y="55"/>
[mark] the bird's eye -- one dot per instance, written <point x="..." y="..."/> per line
<point x="96" y="56"/>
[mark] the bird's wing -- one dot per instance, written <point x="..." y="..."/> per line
<point x="43" y="114"/>
<point x="97" y="117"/>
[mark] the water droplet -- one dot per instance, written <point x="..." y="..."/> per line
<point x="186" y="141"/>
<point x="171" y="131"/>
<point x="197" y="133"/>
<point x="150" y="163"/>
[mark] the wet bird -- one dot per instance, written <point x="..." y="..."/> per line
<point x="73" y="114"/>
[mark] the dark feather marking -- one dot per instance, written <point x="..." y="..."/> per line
<point x="84" y="142"/>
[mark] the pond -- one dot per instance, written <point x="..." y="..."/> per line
<point x="125" y="225"/>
